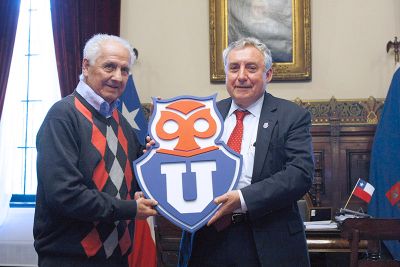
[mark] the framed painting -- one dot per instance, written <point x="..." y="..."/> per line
<point x="284" y="25"/>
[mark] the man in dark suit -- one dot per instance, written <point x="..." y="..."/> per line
<point x="258" y="224"/>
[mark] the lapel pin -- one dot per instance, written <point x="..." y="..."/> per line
<point x="265" y="125"/>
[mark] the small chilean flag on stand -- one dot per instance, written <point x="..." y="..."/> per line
<point x="363" y="190"/>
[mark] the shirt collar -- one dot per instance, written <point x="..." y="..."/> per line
<point x="96" y="101"/>
<point x="254" y="109"/>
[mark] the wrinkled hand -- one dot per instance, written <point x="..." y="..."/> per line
<point x="149" y="143"/>
<point x="145" y="207"/>
<point x="138" y="195"/>
<point x="229" y="202"/>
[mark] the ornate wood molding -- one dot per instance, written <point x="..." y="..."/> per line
<point x="347" y="111"/>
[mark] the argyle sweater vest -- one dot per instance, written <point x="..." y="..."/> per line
<point x="113" y="175"/>
<point x="84" y="201"/>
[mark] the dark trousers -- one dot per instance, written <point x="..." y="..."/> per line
<point x="233" y="247"/>
<point x="70" y="261"/>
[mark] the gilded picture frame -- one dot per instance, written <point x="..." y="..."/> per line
<point x="296" y="69"/>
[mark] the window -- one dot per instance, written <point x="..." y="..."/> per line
<point x="32" y="89"/>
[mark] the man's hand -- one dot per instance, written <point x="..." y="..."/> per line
<point x="229" y="202"/>
<point x="145" y="207"/>
<point x="149" y="143"/>
<point x="138" y="195"/>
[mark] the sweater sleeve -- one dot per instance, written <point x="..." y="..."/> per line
<point x="66" y="192"/>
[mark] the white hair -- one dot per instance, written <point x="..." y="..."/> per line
<point x="93" y="46"/>
<point x="241" y="43"/>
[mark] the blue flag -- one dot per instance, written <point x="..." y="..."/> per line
<point x="385" y="162"/>
<point x="132" y="110"/>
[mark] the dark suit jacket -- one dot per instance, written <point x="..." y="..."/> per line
<point x="282" y="174"/>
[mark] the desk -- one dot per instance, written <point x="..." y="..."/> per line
<point x="327" y="248"/>
<point x="373" y="230"/>
<point x="318" y="241"/>
<point x="330" y="241"/>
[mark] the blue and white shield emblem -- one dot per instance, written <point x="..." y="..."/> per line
<point x="189" y="166"/>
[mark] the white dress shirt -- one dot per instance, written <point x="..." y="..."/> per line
<point x="250" y="126"/>
<point x="95" y="100"/>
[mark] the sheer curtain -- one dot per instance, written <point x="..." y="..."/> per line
<point x="74" y="22"/>
<point x="9" y="10"/>
<point x="31" y="90"/>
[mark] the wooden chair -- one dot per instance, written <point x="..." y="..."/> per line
<point x="305" y="204"/>
<point x="372" y="230"/>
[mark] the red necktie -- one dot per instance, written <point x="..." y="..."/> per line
<point x="235" y="140"/>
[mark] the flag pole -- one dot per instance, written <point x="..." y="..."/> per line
<point x="351" y="194"/>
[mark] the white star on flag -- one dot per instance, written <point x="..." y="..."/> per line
<point x="130" y="116"/>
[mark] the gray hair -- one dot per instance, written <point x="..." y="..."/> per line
<point x="241" y="43"/>
<point x="93" y="46"/>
